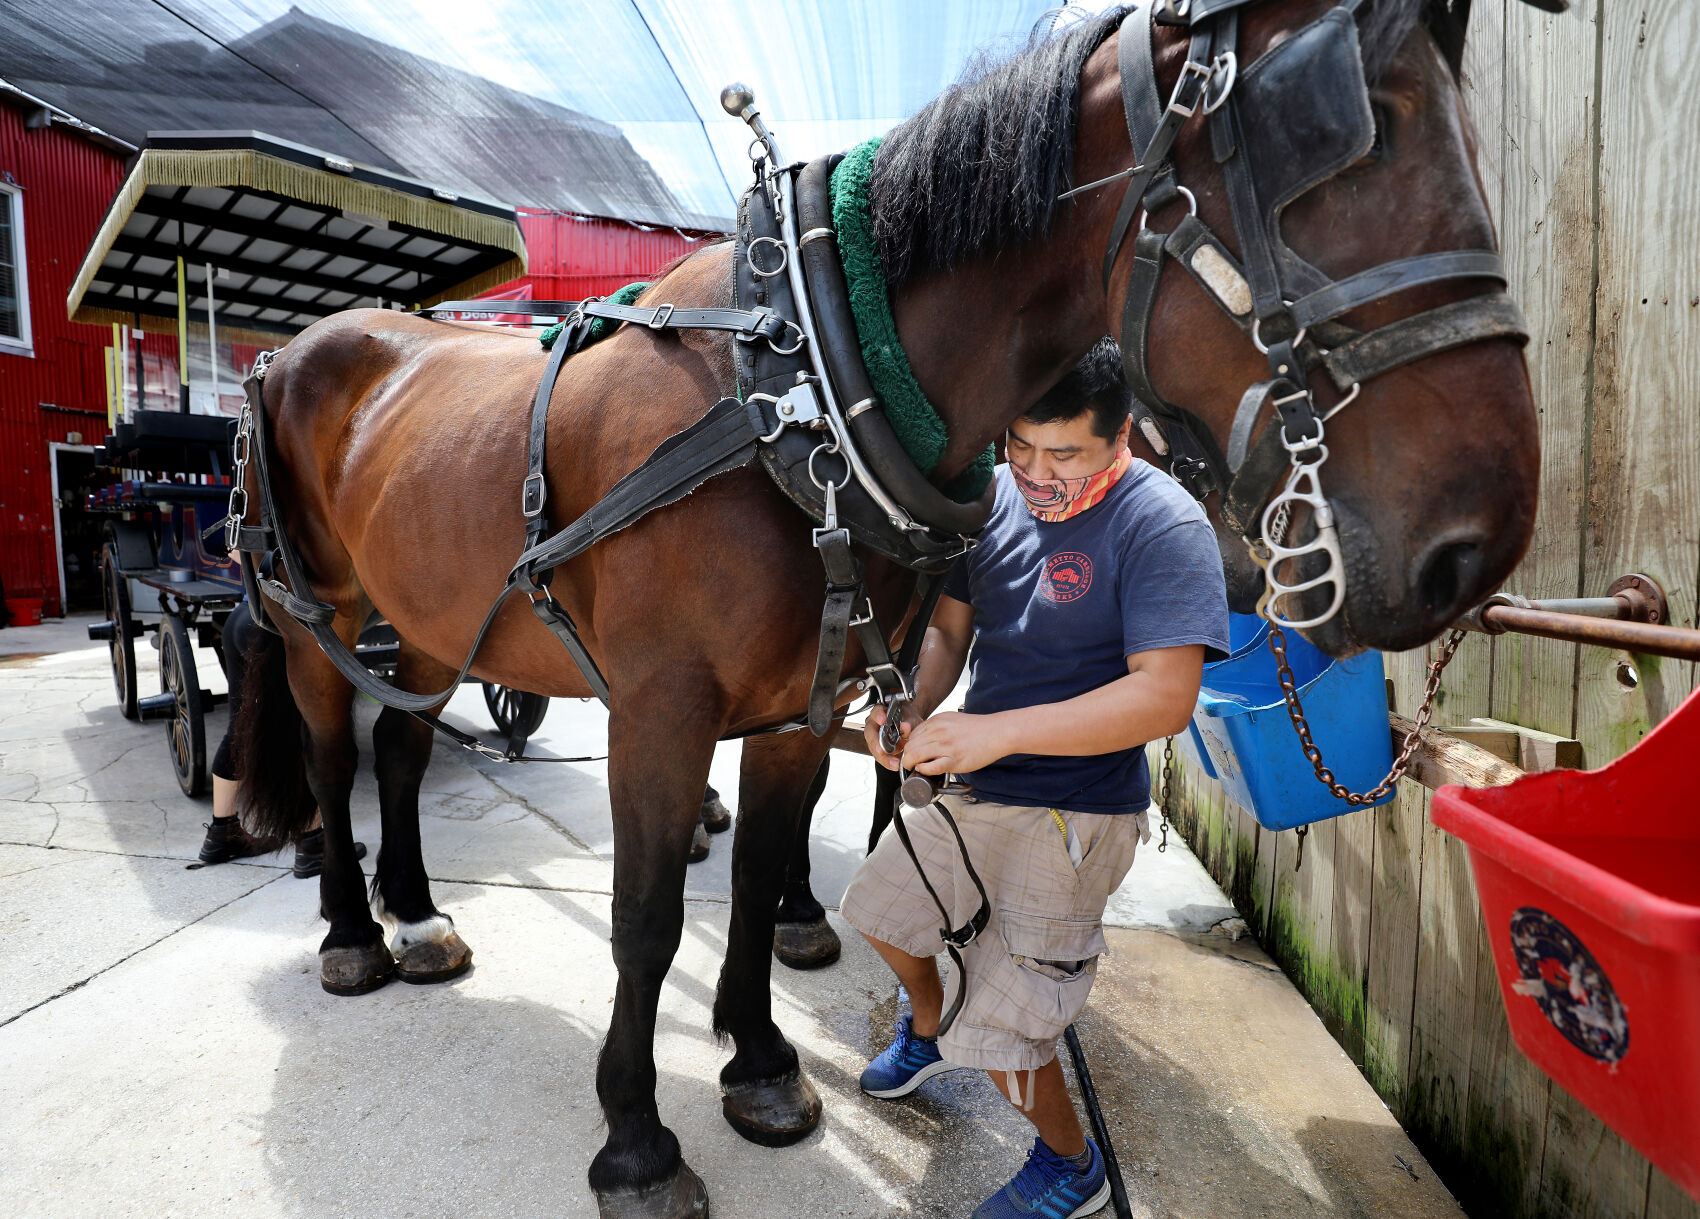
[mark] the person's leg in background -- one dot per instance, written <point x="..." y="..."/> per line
<point x="226" y="839"/>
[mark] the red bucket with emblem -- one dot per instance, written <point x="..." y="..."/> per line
<point x="1590" y="887"/>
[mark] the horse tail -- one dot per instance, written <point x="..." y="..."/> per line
<point x="277" y="804"/>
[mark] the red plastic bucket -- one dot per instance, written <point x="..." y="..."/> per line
<point x="25" y="611"/>
<point x="1590" y="886"/>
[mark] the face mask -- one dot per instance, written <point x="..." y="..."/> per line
<point x="1058" y="499"/>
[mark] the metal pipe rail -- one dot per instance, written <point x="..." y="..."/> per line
<point x="1633" y="617"/>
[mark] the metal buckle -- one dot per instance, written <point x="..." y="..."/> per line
<point x="531" y="497"/>
<point x="1191" y="71"/>
<point x="960" y="939"/>
<point x="662" y="314"/>
<point x="1226" y="64"/>
<point x="903" y="690"/>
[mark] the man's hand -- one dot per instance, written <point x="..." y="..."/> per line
<point x="871" y="733"/>
<point x="954" y="743"/>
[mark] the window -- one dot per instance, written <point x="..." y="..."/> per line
<point x="14" y="279"/>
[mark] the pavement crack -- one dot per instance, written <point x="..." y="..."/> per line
<point x="79" y="984"/>
<point x="528" y="806"/>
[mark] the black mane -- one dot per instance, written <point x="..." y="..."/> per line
<point x="981" y="165"/>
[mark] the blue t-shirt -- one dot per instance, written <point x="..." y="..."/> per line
<point x="1058" y="608"/>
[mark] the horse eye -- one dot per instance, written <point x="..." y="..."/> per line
<point x="1378" y="145"/>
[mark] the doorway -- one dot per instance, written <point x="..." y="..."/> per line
<point x="78" y="532"/>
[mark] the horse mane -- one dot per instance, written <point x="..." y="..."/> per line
<point x="980" y="167"/>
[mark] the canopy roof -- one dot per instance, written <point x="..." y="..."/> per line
<point x="296" y="234"/>
<point x="600" y="107"/>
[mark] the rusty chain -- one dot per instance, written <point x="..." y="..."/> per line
<point x="1165" y="792"/>
<point x="1402" y="763"/>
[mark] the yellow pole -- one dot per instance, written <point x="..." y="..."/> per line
<point x="111" y="399"/>
<point x="118" y="346"/>
<point x="182" y="325"/>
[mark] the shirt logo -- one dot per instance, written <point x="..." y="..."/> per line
<point x="1068" y="574"/>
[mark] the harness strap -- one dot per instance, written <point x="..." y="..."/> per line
<point x="1494" y="316"/>
<point x="755" y="323"/>
<point x="958" y="938"/>
<point x="1344" y="295"/>
<point x="534" y="491"/>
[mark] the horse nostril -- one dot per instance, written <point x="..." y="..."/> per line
<point x="1451" y="581"/>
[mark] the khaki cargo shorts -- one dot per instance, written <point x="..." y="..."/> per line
<point x="1030" y="970"/>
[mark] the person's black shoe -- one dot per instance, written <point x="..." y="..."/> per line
<point x="715" y="816"/>
<point x="310" y="853"/>
<point x="227" y="840"/>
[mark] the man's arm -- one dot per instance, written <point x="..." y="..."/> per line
<point x="1154" y="700"/>
<point x="944" y="650"/>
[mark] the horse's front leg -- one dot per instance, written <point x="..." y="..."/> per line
<point x="425" y="944"/>
<point x="802" y="938"/>
<point x="765" y="1095"/>
<point x="657" y="767"/>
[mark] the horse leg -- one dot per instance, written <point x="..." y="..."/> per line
<point x="352" y="958"/>
<point x="425" y="944"/>
<point x="802" y="938"/>
<point x="657" y="769"/>
<point x="765" y="1095"/>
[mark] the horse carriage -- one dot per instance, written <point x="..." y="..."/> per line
<point x="167" y="577"/>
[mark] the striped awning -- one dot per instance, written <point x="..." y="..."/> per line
<point x="291" y="234"/>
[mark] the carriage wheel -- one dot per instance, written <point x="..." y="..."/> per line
<point x="187" y="732"/>
<point x="515" y="712"/>
<point x="115" y="593"/>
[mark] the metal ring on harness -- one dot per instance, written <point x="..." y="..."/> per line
<point x="802" y="338"/>
<point x="1191" y="205"/>
<point x="1228" y="64"/>
<point x="1262" y="347"/>
<point x="831" y="449"/>
<point x="756" y="268"/>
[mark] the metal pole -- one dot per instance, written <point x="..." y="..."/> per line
<point x="212" y="339"/>
<point x="1101" y="1132"/>
<point x="1676" y="642"/>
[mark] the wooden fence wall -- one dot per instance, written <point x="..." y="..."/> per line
<point x="1589" y="146"/>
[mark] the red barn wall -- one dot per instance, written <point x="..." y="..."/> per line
<point x="67" y="182"/>
<point x="570" y="257"/>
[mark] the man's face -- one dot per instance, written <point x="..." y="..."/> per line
<point x="1066" y="448"/>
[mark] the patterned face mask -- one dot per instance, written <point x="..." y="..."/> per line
<point x="1057" y="499"/>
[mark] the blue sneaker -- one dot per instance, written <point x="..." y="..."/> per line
<point x="1050" y="1187"/>
<point x="908" y="1062"/>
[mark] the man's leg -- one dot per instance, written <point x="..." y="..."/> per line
<point x="920" y="977"/>
<point x="1052" y="1110"/>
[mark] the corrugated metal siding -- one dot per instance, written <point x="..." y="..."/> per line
<point x="67" y="182"/>
<point x="571" y="258"/>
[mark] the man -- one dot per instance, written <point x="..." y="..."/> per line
<point x="1092" y="602"/>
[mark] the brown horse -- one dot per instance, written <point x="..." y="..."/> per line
<point x="398" y="450"/>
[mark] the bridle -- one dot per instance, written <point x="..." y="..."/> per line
<point x="1294" y="118"/>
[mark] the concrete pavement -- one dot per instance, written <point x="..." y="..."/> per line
<point x="165" y="1047"/>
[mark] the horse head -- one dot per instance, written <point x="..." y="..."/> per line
<point x="1334" y="154"/>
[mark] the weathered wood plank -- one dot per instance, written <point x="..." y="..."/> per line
<point x="1643" y="502"/>
<point x="1666" y="1201"/>
<point x="1534" y="751"/>
<point x="1301" y="919"/>
<point x="1505" y="1106"/>
<point x="1443" y="1004"/>
<point x="1547" y="232"/>
<point x="1354" y="861"/>
<point x="1394" y="902"/>
<point x="1441" y="759"/>
<point x="1587" y="1169"/>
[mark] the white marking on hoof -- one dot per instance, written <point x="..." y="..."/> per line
<point x="433" y="930"/>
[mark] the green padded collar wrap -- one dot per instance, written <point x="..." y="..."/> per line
<point x="915" y="421"/>
<point x="600" y="327"/>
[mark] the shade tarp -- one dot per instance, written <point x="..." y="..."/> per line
<point x="295" y="234"/>
<point x="599" y="107"/>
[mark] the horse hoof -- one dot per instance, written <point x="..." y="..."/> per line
<point x="434" y="962"/>
<point x="774" y="1113"/>
<point x="681" y="1196"/>
<point x="356" y="970"/>
<point x="806" y="945"/>
<point x="716" y="818"/>
<point x="699" y="844"/>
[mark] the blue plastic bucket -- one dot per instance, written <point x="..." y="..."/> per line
<point x="1245" y="632"/>
<point x="1242" y="724"/>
